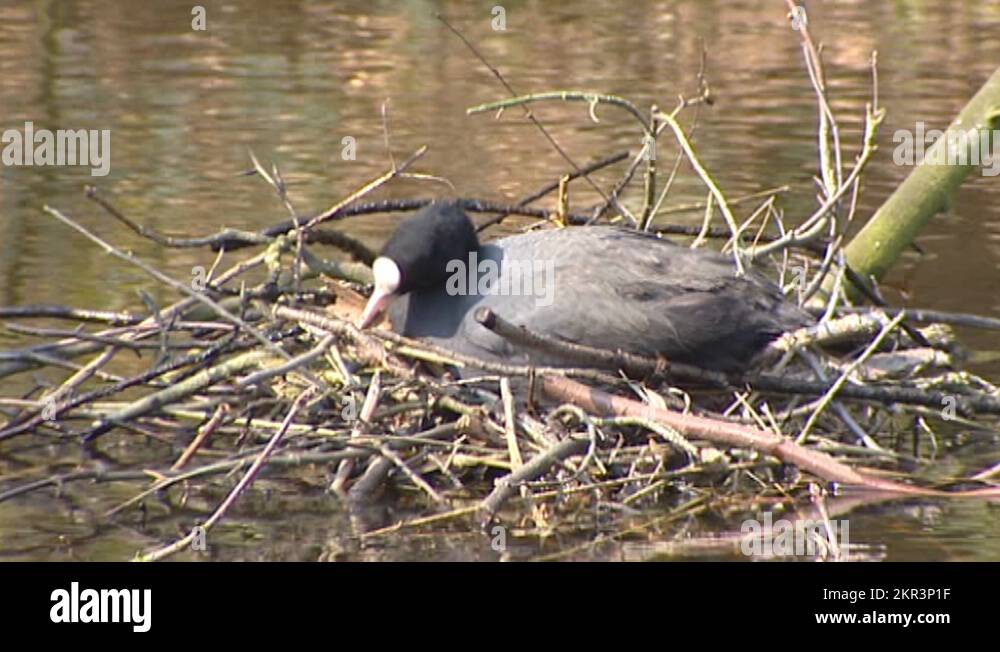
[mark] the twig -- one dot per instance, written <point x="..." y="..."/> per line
<point x="244" y="482"/>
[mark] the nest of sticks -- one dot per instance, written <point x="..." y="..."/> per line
<point x="276" y="374"/>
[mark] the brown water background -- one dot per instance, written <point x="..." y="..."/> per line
<point x="290" y="80"/>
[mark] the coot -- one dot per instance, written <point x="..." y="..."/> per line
<point x="601" y="286"/>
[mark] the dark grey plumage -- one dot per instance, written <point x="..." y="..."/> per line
<point x="614" y="289"/>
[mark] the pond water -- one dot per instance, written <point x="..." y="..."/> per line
<point x="291" y="80"/>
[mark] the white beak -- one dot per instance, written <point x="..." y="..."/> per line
<point x="376" y="305"/>
<point x="387" y="277"/>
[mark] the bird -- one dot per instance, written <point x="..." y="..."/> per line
<point x="600" y="286"/>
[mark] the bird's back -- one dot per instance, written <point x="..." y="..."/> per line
<point x="609" y="288"/>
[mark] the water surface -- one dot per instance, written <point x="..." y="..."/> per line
<point x="290" y="80"/>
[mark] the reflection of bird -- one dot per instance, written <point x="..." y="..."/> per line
<point x="599" y="286"/>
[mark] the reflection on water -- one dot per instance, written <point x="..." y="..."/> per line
<point x="290" y="80"/>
